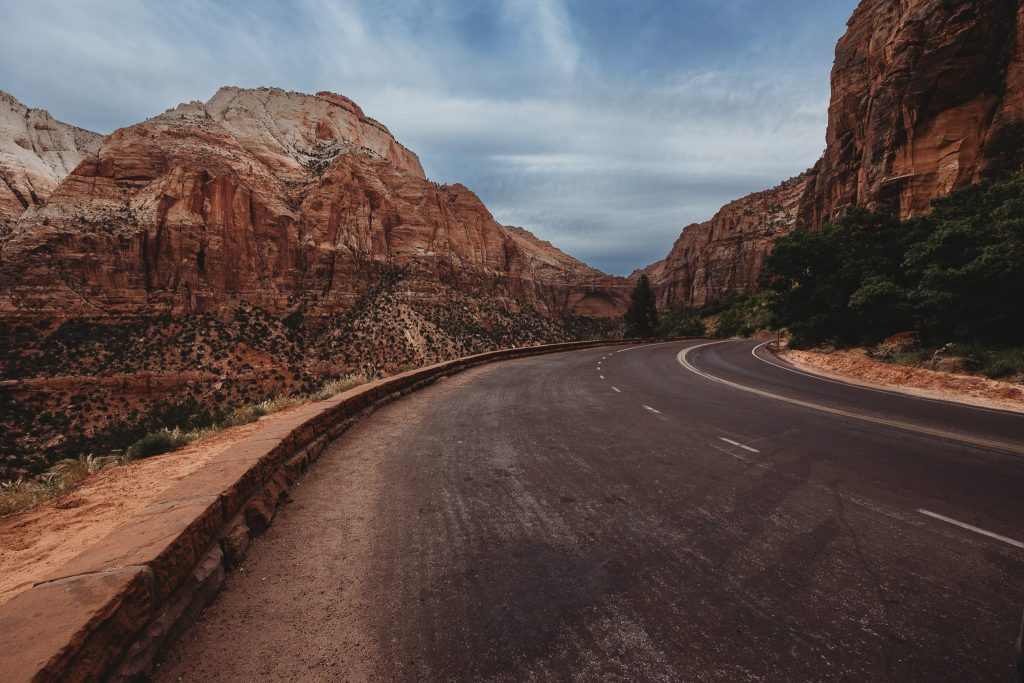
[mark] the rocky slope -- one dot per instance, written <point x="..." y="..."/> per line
<point x="725" y="253"/>
<point x="259" y="243"/>
<point x="927" y="97"/>
<point x="36" y="153"/>
<point x="285" y="201"/>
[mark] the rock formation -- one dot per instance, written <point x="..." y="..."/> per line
<point x="725" y="253"/>
<point x="289" y="202"/>
<point x="927" y="97"/>
<point x="257" y="244"/>
<point x="36" y="153"/>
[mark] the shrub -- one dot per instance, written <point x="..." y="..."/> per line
<point x="684" y="322"/>
<point x="161" y="441"/>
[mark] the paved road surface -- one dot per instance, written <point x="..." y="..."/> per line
<point x="613" y="515"/>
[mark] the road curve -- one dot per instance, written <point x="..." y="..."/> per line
<point x="613" y="514"/>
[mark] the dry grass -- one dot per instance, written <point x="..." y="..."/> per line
<point x="67" y="475"/>
<point x="64" y="477"/>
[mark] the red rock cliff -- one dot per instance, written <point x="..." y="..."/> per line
<point x="927" y="97"/>
<point x="282" y="200"/>
<point x="725" y="253"/>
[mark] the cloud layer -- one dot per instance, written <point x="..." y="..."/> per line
<point x="604" y="126"/>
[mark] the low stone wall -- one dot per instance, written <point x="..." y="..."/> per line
<point x="110" y="611"/>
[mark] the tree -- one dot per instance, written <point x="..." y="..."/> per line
<point x="642" y="316"/>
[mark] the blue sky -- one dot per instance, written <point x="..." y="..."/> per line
<point x="604" y="126"/>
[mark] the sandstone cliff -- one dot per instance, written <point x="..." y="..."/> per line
<point x="286" y="201"/>
<point x="257" y="244"/>
<point x="725" y="253"/>
<point x="36" y="153"/>
<point x="927" y="97"/>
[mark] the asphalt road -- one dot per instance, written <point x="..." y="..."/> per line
<point x="615" y="515"/>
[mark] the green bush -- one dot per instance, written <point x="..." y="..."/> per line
<point x="682" y="322"/>
<point x="1006" y="363"/>
<point x="161" y="441"/>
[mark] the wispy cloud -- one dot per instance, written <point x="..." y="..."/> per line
<point x="603" y="126"/>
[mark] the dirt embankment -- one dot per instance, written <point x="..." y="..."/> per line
<point x="35" y="542"/>
<point x="855" y="366"/>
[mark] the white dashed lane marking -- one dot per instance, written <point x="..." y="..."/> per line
<point x="739" y="445"/>
<point x="616" y="390"/>
<point x="646" y="407"/>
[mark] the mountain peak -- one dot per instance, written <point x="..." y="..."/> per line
<point x="36" y="153"/>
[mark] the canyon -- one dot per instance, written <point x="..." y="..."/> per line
<point x="927" y="97"/>
<point x="265" y="242"/>
<point x="261" y="243"/>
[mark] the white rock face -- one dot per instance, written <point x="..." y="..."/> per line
<point x="294" y="133"/>
<point x="36" y="153"/>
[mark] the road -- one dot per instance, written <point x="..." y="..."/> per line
<point x="680" y="511"/>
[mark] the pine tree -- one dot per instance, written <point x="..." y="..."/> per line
<point x="642" y="317"/>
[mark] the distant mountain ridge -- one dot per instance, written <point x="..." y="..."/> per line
<point x="36" y="153"/>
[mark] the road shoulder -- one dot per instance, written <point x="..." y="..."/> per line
<point x="855" y="367"/>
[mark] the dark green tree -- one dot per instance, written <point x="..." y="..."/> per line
<point x="642" y="316"/>
<point x="956" y="274"/>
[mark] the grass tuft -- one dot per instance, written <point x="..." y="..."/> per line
<point x="67" y="475"/>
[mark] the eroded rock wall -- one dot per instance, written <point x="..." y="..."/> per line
<point x="927" y="97"/>
<point x="36" y="153"/>
<point x="285" y="201"/>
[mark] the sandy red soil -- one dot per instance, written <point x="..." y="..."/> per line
<point x="854" y="365"/>
<point x="36" y="541"/>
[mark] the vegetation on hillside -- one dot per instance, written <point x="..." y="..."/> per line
<point x="70" y="473"/>
<point x="95" y="387"/>
<point x="956" y="275"/>
<point x="736" y="314"/>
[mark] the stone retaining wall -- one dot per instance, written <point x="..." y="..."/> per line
<point x="109" y="612"/>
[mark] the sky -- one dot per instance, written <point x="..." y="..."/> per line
<point x="603" y="126"/>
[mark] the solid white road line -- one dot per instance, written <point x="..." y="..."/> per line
<point x="739" y="445"/>
<point x="683" y="355"/>
<point x="753" y="352"/>
<point x="652" y="409"/>
<point x="975" y="529"/>
<point x="616" y="390"/>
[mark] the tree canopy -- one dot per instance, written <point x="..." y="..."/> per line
<point x="954" y="275"/>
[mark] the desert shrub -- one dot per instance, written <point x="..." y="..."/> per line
<point x="244" y="415"/>
<point x="63" y="477"/>
<point x="1005" y="363"/>
<point x="20" y="494"/>
<point x="161" y="441"/>
<point x="335" y="387"/>
<point x="683" y="322"/>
